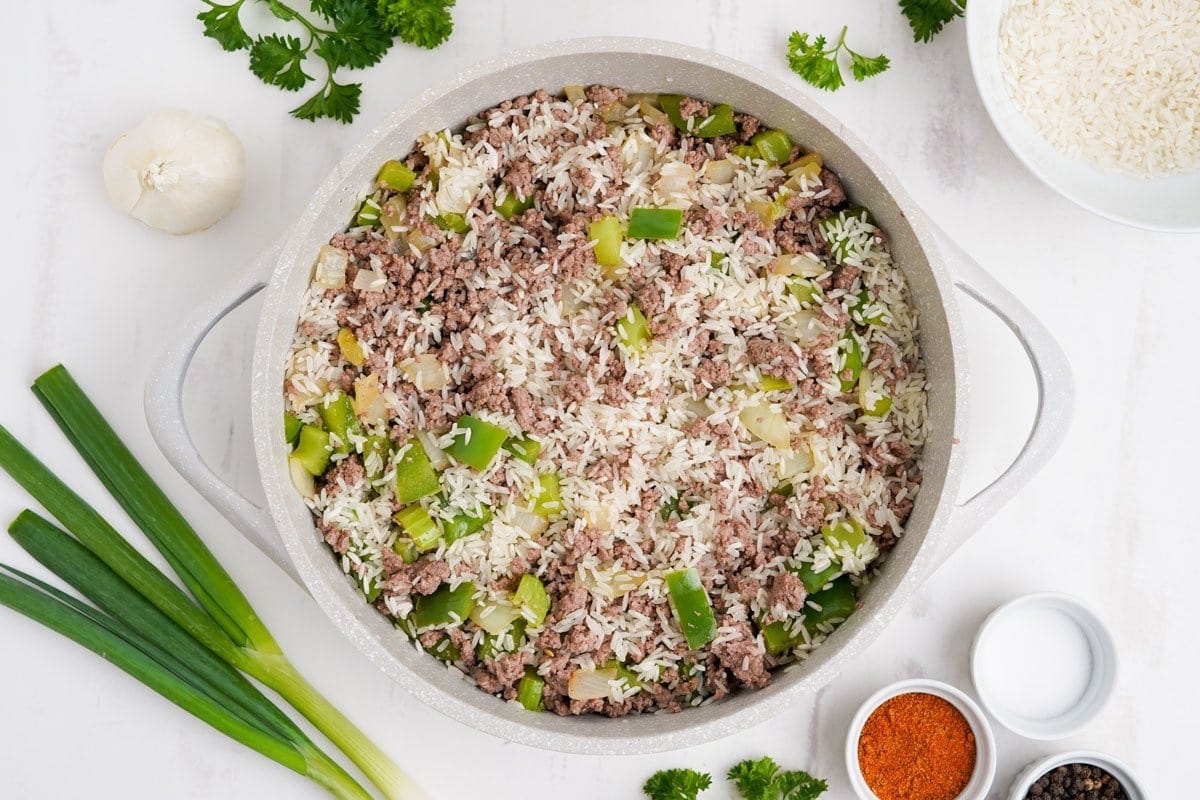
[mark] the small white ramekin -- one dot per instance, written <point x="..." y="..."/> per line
<point x="985" y="758"/>
<point x="1101" y="684"/>
<point x="1133" y="788"/>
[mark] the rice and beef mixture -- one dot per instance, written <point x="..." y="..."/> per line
<point x="612" y="403"/>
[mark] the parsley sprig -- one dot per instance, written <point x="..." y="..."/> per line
<point x="816" y="62"/>
<point x="754" y="779"/>
<point x="340" y="34"/>
<point x="928" y="17"/>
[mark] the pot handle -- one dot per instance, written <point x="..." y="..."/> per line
<point x="1055" y="389"/>
<point x="164" y="412"/>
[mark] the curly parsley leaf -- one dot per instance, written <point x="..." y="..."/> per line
<point x="425" y="23"/>
<point x="279" y="61"/>
<point x="928" y="17"/>
<point x="221" y="23"/>
<point x="799" y="785"/>
<point x="762" y="779"/>
<point x="754" y="779"/>
<point x="334" y="101"/>
<point x="676" y="784"/>
<point x="818" y="64"/>
<point x="357" y="40"/>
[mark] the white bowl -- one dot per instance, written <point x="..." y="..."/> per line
<point x="1133" y="788"/>
<point x="1167" y="203"/>
<point x="985" y="760"/>
<point x="1092" y="699"/>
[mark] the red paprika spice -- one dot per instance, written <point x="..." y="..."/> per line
<point x="916" y="746"/>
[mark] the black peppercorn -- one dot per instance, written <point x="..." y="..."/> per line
<point x="1077" y="782"/>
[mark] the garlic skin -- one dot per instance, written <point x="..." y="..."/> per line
<point x="176" y="171"/>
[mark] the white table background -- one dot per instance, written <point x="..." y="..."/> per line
<point x="1111" y="519"/>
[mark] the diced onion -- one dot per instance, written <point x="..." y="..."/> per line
<point x="612" y="585"/>
<point x="808" y="326"/>
<point x="796" y="462"/>
<point x="418" y="241"/>
<point x="574" y="93"/>
<point x="767" y="424"/>
<point x="369" y="403"/>
<point x="637" y="153"/>
<point x="437" y="457"/>
<point x="425" y="372"/>
<point x="803" y="264"/>
<point x="392" y="216"/>
<point x="302" y="479"/>
<point x="331" y="267"/>
<point x="614" y="112"/>
<point x="675" y="184"/>
<point x="495" y="616"/>
<point x="591" y="684"/>
<point x="722" y="171"/>
<point x="370" y="280"/>
<point x="531" y="523"/>
<point x="652" y="113"/>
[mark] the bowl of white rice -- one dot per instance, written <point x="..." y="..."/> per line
<point x="1100" y="99"/>
<point x="924" y="275"/>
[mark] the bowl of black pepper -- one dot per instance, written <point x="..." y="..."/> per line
<point x="1078" y="775"/>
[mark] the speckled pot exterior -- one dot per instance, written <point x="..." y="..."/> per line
<point x="937" y="524"/>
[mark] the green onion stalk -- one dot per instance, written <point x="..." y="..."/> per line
<point x="221" y="618"/>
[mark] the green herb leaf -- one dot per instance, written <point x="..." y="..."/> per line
<point x="799" y="785"/>
<point x="221" y="23"/>
<point x="755" y="779"/>
<point x="358" y="39"/>
<point x="334" y="101"/>
<point x="281" y="11"/>
<point x="279" y="61"/>
<point x="818" y="64"/>
<point x="862" y="67"/>
<point x="425" y="23"/>
<point x="676" y="784"/>
<point x="928" y="17"/>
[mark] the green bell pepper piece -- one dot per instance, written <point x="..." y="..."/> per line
<point x="530" y="689"/>
<point x="312" y="450"/>
<point x="452" y="221"/>
<point x="804" y="290"/>
<point x="338" y="415"/>
<point x="633" y="331"/>
<point x="844" y="533"/>
<point x="861" y="310"/>
<point x="421" y="528"/>
<point x="368" y="213"/>
<point x="832" y="228"/>
<point x="493" y="645"/>
<point x="815" y="580"/>
<point x="719" y="122"/>
<point x="532" y="599"/>
<point x="836" y="602"/>
<point x="655" y="223"/>
<point x="380" y="445"/>
<point x="773" y="145"/>
<point x="415" y="476"/>
<point x="852" y="365"/>
<point x="291" y="429"/>
<point x="608" y="234"/>
<point x="773" y="383"/>
<point x="510" y="205"/>
<point x="463" y="524"/>
<point x="405" y="548"/>
<point x="478" y="444"/>
<point x="446" y="606"/>
<point x="693" y="611"/>
<point x="444" y="649"/>
<point x="546" y="498"/>
<point x="396" y="175"/>
<point x="524" y="447"/>
<point x="747" y="151"/>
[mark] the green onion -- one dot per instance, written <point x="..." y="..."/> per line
<point x="546" y="498"/>
<point x="477" y="442"/>
<point x="633" y="331"/>
<point x="530" y="689"/>
<point x="446" y="606"/>
<point x="510" y="205"/>
<point x="693" y="611"/>
<point x="524" y="447"/>
<point x="532" y="599"/>
<point x="291" y="429"/>
<point x="462" y="525"/>
<point x="396" y="175"/>
<point x="719" y="122"/>
<point x="415" y="476"/>
<point x="773" y="145"/>
<point x="607" y="233"/>
<point x="655" y="223"/>
<point x="419" y="526"/>
<point x="230" y="628"/>
<point x="312" y="449"/>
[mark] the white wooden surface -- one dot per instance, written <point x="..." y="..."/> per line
<point x="1110" y="520"/>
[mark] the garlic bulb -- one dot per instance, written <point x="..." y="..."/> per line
<point x="175" y="171"/>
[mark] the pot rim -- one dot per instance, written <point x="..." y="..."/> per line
<point x="618" y="736"/>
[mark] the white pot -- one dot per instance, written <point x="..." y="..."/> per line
<point x="939" y="522"/>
